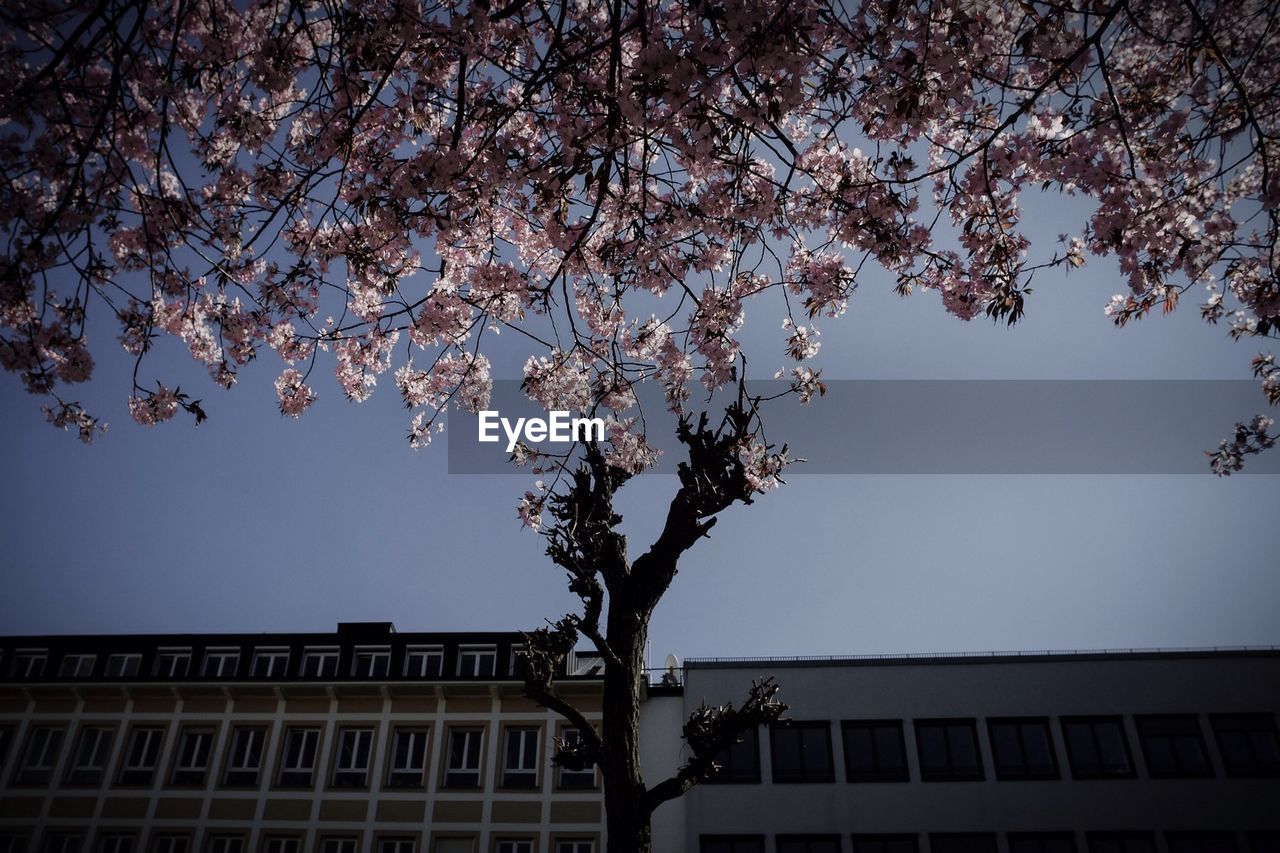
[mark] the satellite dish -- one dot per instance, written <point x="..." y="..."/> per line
<point x="669" y="676"/>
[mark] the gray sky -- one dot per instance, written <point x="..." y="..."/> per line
<point x="254" y="522"/>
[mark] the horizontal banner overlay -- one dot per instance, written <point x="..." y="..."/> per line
<point x="927" y="426"/>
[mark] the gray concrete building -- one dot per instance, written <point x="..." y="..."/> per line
<point x="1125" y="752"/>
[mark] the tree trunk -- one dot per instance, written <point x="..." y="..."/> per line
<point x="626" y="813"/>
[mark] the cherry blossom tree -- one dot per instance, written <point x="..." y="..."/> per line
<point x="380" y="188"/>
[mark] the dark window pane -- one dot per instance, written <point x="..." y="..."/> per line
<point x="739" y="762"/>
<point x="948" y="750"/>
<point x="1200" y="842"/>
<point x="1096" y="747"/>
<point x="885" y="844"/>
<point x="963" y="842"/>
<point x="808" y="844"/>
<point x="801" y="752"/>
<point x="1041" y="842"/>
<point x="874" y="751"/>
<point x="1121" y="842"/>
<point x="1022" y="749"/>
<point x="731" y="844"/>
<point x="1248" y="743"/>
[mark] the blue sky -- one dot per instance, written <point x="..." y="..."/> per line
<point x="254" y="522"/>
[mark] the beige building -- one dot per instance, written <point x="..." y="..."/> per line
<point x="360" y="741"/>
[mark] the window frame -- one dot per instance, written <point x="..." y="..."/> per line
<point x="153" y="845"/>
<point x="283" y="767"/>
<point x="729" y="773"/>
<point x="446" y="783"/>
<point x="154" y="734"/>
<point x="189" y="779"/>
<point x="117" y="665"/>
<point x="808" y="839"/>
<point x="29" y="663"/>
<point x="885" y="839"/>
<point x="1092" y="838"/>
<point x="1004" y="773"/>
<point x="521" y="730"/>
<point x="480" y="653"/>
<point x="1237" y="771"/>
<point x="935" y="837"/>
<point x="358" y="777"/>
<point x="50" y="752"/>
<point x="230" y="764"/>
<point x="222" y="654"/>
<point x="327" y="658"/>
<point x="271" y="656"/>
<point x="928" y="773"/>
<point x="117" y="836"/>
<point x="756" y="842"/>
<point x="1013" y="838"/>
<point x="580" y="782"/>
<point x="1195" y="733"/>
<point x="806" y="775"/>
<point x="175" y="659"/>
<point x="878" y="775"/>
<point x="366" y="661"/>
<point x="94" y="773"/>
<point x="422" y="733"/>
<point x="1093" y="721"/>
<point x="83" y="664"/>
<point x="427" y="654"/>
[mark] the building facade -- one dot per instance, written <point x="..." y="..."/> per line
<point x="366" y="740"/>
<point x="1158" y="752"/>
<point x="360" y="741"/>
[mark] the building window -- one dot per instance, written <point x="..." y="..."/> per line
<point x="371" y="663"/>
<point x="739" y="762"/>
<point x="13" y="842"/>
<point x="731" y="844"/>
<point x="513" y="845"/>
<point x="962" y="842"/>
<point x="1259" y="842"/>
<point x="520" y="758"/>
<point x="40" y="756"/>
<point x="801" y="751"/>
<point x="1173" y="746"/>
<point x="76" y="666"/>
<point x="173" y="663"/>
<point x="424" y="662"/>
<point x="1200" y="842"/>
<point x="515" y="662"/>
<point x="875" y="751"/>
<point x="270" y="663"/>
<point x="192" y="762"/>
<point x="477" y="661"/>
<point x="948" y="751"/>
<point x="116" y="842"/>
<point x="320" y="663"/>
<point x="220" y="663"/>
<point x="574" y="780"/>
<point x="123" y="666"/>
<point x="1120" y="842"/>
<point x="351" y="770"/>
<point x="299" y="764"/>
<point x="1022" y="748"/>
<point x="170" y="843"/>
<point x="396" y="845"/>
<point x="338" y="844"/>
<point x="1248" y="744"/>
<point x="899" y="843"/>
<point x="575" y="845"/>
<point x="6" y="738"/>
<point x="408" y="759"/>
<point x="463" y="768"/>
<point x="1097" y="748"/>
<point x="1042" y="842"/>
<point x="226" y="844"/>
<point x="282" y="844"/>
<point x="808" y="844"/>
<point x="245" y="760"/>
<point x="140" y="756"/>
<point x="29" y="663"/>
<point x="93" y="749"/>
<point x="62" y="842"/>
